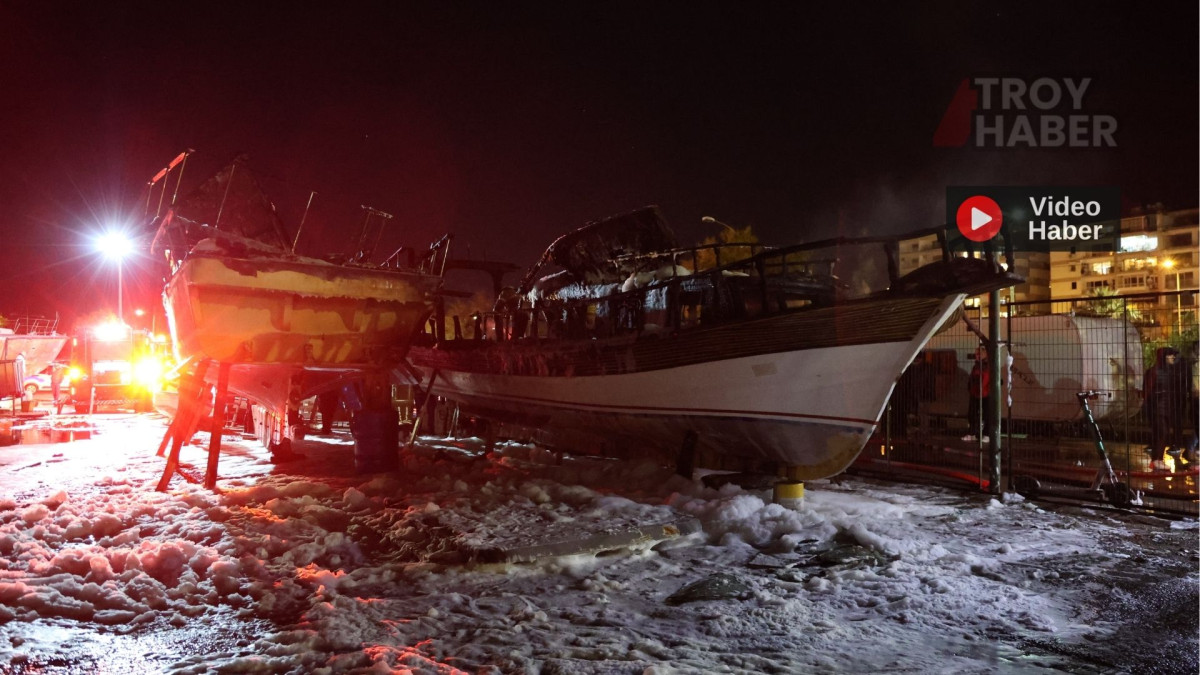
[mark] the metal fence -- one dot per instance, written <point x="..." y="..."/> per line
<point x="1138" y="353"/>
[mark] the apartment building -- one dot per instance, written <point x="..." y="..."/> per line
<point x="1159" y="251"/>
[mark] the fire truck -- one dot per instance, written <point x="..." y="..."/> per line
<point x="114" y="366"/>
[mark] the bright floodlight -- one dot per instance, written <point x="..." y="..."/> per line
<point x="110" y="331"/>
<point x="1168" y="263"/>
<point x="114" y="245"/>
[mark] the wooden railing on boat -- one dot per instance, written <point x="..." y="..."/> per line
<point x="700" y="286"/>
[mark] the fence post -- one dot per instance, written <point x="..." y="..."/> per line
<point x="994" y="393"/>
<point x="887" y="428"/>
<point x="1008" y="445"/>
<point x="1125" y="378"/>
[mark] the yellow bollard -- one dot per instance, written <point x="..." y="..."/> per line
<point x="789" y="494"/>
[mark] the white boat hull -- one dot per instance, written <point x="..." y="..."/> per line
<point x="39" y="350"/>
<point x="812" y="409"/>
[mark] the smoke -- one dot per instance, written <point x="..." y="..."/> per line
<point x="891" y="204"/>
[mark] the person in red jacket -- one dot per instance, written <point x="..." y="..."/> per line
<point x="979" y="383"/>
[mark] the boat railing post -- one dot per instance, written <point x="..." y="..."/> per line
<point x="304" y="217"/>
<point x="891" y="249"/>
<point x="445" y="255"/>
<point x="439" y="312"/>
<point x="673" y="308"/>
<point x="761" y="266"/>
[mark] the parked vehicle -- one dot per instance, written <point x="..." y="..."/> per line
<point x="115" y="366"/>
<point x="39" y="383"/>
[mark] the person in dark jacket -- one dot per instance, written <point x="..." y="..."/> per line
<point x="57" y="371"/>
<point x="1166" y="385"/>
<point x="327" y="405"/>
<point x="979" y="383"/>
<point x="1192" y="418"/>
<point x="915" y="386"/>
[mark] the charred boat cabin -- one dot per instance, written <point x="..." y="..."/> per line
<point x="621" y="342"/>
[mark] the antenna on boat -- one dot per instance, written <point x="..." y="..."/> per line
<point x="221" y="209"/>
<point x="161" y="175"/>
<point x="302" y="219"/>
<point x="363" y="251"/>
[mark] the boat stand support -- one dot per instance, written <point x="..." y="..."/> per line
<point x="425" y="408"/>
<point x="218" y="426"/>
<point x="685" y="462"/>
<point x="192" y="394"/>
<point x="789" y="491"/>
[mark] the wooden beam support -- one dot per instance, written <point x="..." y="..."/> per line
<point x="187" y="416"/>
<point x="214" y="443"/>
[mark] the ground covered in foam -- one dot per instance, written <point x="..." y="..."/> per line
<point x="306" y="567"/>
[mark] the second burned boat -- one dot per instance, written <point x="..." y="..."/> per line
<point x="283" y="326"/>
<point x="636" y="346"/>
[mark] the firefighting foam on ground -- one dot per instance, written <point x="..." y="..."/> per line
<point x="307" y="567"/>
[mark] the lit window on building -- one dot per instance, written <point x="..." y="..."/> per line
<point x="1138" y="242"/>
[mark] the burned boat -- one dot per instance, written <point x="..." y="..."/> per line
<point x="37" y="340"/>
<point x="637" y="346"/>
<point x="283" y="326"/>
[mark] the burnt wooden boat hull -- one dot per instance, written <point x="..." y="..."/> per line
<point x="802" y="389"/>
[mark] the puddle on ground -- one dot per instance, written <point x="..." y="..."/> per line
<point x="41" y="436"/>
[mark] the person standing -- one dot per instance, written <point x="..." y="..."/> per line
<point x="1193" y="405"/>
<point x="328" y="403"/>
<point x="1167" y="386"/>
<point x="57" y="370"/>
<point x="979" y="383"/>
<point x="914" y="387"/>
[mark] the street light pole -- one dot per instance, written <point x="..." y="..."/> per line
<point x="1170" y="264"/>
<point x="115" y="246"/>
<point x="1178" y="304"/>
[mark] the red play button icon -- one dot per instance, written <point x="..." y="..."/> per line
<point x="979" y="218"/>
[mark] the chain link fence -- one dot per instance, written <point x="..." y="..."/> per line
<point x="1137" y="354"/>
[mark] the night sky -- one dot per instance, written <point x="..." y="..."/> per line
<point x="510" y="123"/>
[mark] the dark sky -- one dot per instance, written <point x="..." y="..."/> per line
<point x="510" y="123"/>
